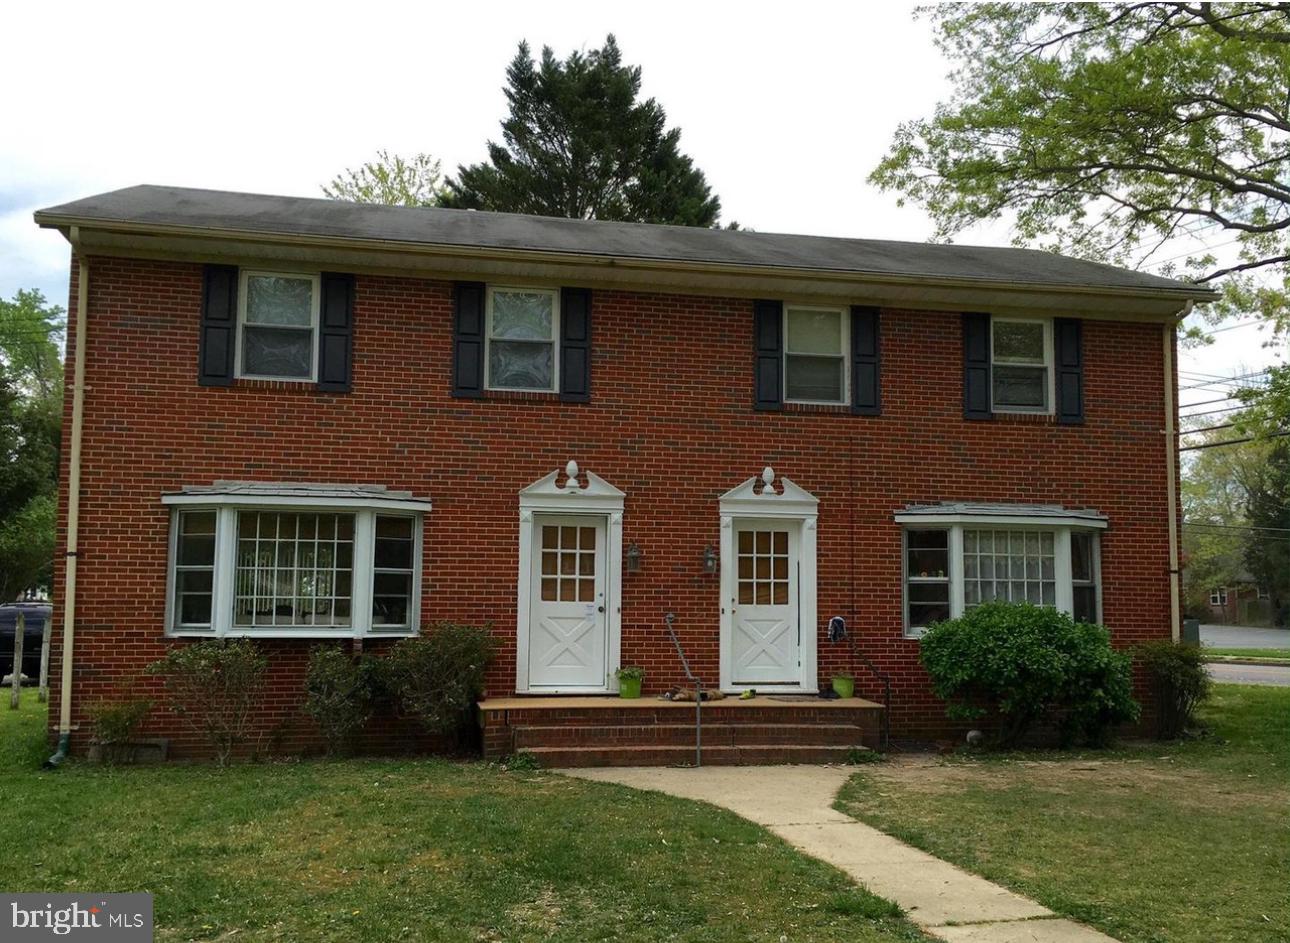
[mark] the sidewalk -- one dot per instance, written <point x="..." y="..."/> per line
<point x="796" y="803"/>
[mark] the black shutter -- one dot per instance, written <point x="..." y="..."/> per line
<point x="336" y="334"/>
<point x="866" y="373"/>
<point x="768" y="340"/>
<point x="575" y="345"/>
<point x="219" y="326"/>
<point x="976" y="366"/>
<point x="468" y="339"/>
<point x="1068" y="337"/>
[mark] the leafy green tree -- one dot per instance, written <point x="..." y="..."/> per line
<point x="1109" y="129"/>
<point x="579" y="143"/>
<point x="1267" y="552"/>
<point x="391" y="180"/>
<point x="31" y="399"/>
<point x="1216" y="487"/>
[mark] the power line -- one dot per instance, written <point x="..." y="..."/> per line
<point x="1248" y="438"/>
<point x="1218" y="384"/>
<point x="1212" y="412"/>
<point x="1280" y="530"/>
<point x="1205" y="402"/>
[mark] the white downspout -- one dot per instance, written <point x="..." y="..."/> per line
<point x="73" y="499"/>
<point x="1171" y="473"/>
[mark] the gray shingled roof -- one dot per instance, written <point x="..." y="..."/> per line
<point x="976" y="509"/>
<point x="193" y="210"/>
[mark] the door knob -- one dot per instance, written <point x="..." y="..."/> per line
<point x="600" y="608"/>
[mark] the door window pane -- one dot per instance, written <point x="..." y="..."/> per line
<point x="762" y="566"/>
<point x="569" y="566"/>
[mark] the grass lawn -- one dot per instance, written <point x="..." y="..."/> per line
<point x="1152" y="843"/>
<point x="1281" y="654"/>
<point x="411" y="850"/>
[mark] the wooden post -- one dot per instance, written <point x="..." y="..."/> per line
<point x="19" y="630"/>
<point x="42" y="694"/>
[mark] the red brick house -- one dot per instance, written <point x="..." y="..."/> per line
<point x="303" y="420"/>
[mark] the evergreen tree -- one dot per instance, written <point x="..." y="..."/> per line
<point x="578" y="143"/>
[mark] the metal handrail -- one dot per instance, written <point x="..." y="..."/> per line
<point x="698" y="689"/>
<point x="885" y="678"/>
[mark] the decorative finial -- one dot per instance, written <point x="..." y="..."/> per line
<point x="768" y="481"/>
<point x="571" y="469"/>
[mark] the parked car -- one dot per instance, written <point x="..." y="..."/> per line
<point x="37" y="613"/>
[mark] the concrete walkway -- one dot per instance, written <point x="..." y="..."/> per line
<point x="796" y="803"/>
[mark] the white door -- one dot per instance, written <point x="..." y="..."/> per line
<point x="568" y="629"/>
<point x="765" y="630"/>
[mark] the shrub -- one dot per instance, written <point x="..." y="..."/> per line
<point x="630" y="673"/>
<point x="214" y="686"/>
<point x="437" y="678"/>
<point x="1018" y="664"/>
<point x="1181" y="683"/>
<point x="338" y="695"/>
<point x="114" y="724"/>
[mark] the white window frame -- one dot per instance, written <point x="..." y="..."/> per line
<point x="555" y="338"/>
<point x="1049" y="373"/>
<point x="227" y="508"/>
<point x="844" y="354"/>
<point x="315" y="308"/>
<point x="1065" y="596"/>
<point x="1218" y="597"/>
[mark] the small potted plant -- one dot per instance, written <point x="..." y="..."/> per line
<point x="629" y="681"/>
<point x="844" y="684"/>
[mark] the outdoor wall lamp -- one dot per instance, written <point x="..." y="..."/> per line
<point x="633" y="558"/>
<point x="709" y="560"/>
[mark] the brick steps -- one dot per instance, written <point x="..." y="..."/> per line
<point x="605" y="731"/>
<point x="655" y="755"/>
<point x="682" y="735"/>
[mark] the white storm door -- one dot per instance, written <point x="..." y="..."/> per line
<point x="568" y="629"/>
<point x="765" y="639"/>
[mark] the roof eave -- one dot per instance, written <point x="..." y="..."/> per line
<point x="1170" y="299"/>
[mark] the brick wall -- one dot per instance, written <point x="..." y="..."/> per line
<point x="670" y="423"/>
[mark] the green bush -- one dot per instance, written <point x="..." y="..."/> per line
<point x="437" y="678"/>
<point x="115" y="723"/>
<point x="630" y="673"/>
<point x="1016" y="664"/>
<point x="214" y="686"/>
<point x="1181" y="683"/>
<point x="338" y="695"/>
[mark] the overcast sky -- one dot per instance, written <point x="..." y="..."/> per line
<point x="786" y="108"/>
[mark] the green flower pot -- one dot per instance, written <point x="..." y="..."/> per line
<point x="845" y="687"/>
<point x="629" y="687"/>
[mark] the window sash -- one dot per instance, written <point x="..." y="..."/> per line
<point x="1064" y="585"/>
<point x="244" y="323"/>
<point x="362" y="582"/>
<point x="841" y="356"/>
<point x="1018" y="365"/>
<point x="550" y="342"/>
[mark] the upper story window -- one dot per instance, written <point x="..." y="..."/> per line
<point x="523" y="324"/>
<point x="309" y="567"/>
<point x="815" y="355"/>
<point x="277" y="326"/>
<point x="1021" y="362"/>
<point x="1218" y="597"/>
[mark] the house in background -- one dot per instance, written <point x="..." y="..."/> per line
<point x="1244" y="602"/>
<point x="308" y="421"/>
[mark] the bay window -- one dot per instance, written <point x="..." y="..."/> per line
<point x="296" y="564"/>
<point x="958" y="557"/>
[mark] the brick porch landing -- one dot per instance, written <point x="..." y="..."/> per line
<point x="610" y="731"/>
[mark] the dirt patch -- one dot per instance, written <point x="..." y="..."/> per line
<point x="932" y="776"/>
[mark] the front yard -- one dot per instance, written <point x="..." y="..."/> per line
<point x="1177" y="843"/>
<point x="411" y="850"/>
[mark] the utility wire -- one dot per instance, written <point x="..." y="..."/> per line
<point x="1248" y="438"/>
